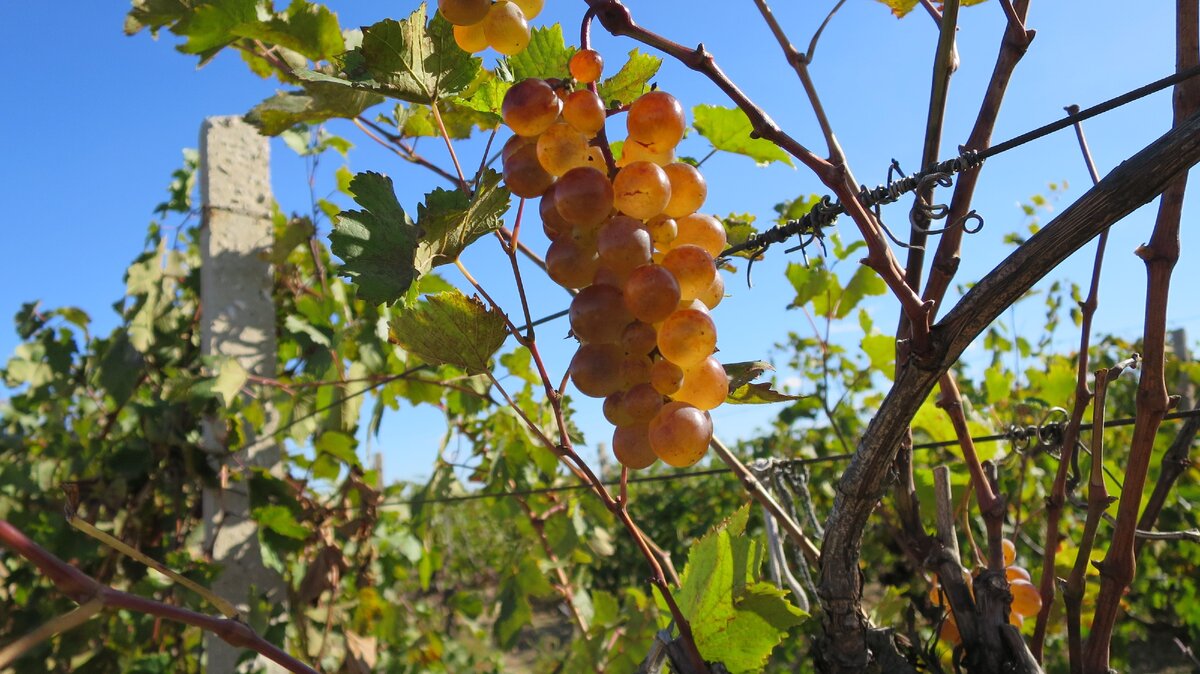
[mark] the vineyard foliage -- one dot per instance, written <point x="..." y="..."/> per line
<point x="420" y="577"/>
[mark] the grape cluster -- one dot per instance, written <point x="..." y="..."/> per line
<point x="1026" y="600"/>
<point x="640" y="255"/>
<point x="479" y="24"/>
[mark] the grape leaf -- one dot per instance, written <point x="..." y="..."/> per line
<point x="120" y="368"/>
<point x="902" y="7"/>
<point x="450" y="220"/>
<point x="311" y="30"/>
<point x="864" y="282"/>
<point x="317" y="102"/>
<point x="377" y="245"/>
<point x="546" y="56"/>
<point x="213" y="25"/>
<point x="739" y="227"/>
<point x="743" y="392"/>
<point x="486" y="93"/>
<point x="728" y="129"/>
<point x="451" y="328"/>
<point x="631" y="81"/>
<point x="741" y="374"/>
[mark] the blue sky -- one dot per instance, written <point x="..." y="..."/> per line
<point x="94" y="124"/>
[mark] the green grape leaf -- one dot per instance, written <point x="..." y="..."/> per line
<point x="546" y="56"/>
<point x="631" y="81"/>
<point x="451" y="328"/>
<point x="418" y="60"/>
<point x="451" y="221"/>
<point x="728" y="129"/>
<point x="794" y="209"/>
<point x="377" y="245"/>
<point x="486" y="93"/>
<point x="900" y="8"/>
<point x="741" y="374"/>
<point x="121" y="368"/>
<point x="215" y="24"/>
<point x="316" y="103"/>
<point x="864" y="282"/>
<point x="154" y="14"/>
<point x="881" y="350"/>
<point x="416" y="121"/>
<point x="811" y="283"/>
<point x="739" y="227"/>
<point x="758" y="394"/>
<point x="311" y="30"/>
<point x="280" y="519"/>
<point x="339" y="445"/>
<point x="28" y="320"/>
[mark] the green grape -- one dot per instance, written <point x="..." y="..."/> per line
<point x="523" y="173"/>
<point x="656" y="118"/>
<point x="596" y="369"/>
<point x="530" y="107"/>
<point x="639" y="339"/>
<point x="470" y="38"/>
<point x="586" y="66"/>
<point x="561" y="148"/>
<point x="506" y="29"/>
<point x="631" y="446"/>
<point x="464" y="12"/>
<point x="553" y="224"/>
<point x="688" y="189"/>
<point x="651" y="293"/>
<point x="570" y="264"/>
<point x="623" y="245"/>
<point x="705" y="385"/>
<point x="584" y="197"/>
<point x="598" y="314"/>
<point x="663" y="230"/>
<point x="687" y="337"/>
<point x="641" y="190"/>
<point x="584" y="112"/>
<point x="666" y="377"/>
<point x="680" y="433"/>
<point x="530" y="8"/>
<point x="640" y="403"/>
<point x="614" y="410"/>
<point x="701" y="230"/>
<point x="713" y="295"/>
<point x="692" y="267"/>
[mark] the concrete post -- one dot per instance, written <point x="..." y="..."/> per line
<point x="237" y="320"/>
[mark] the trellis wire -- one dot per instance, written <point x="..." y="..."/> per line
<point x="1013" y="434"/>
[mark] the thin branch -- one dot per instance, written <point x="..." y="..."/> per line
<point x="462" y="178"/>
<point x="401" y="149"/>
<point x="812" y="44"/>
<point x="57" y="625"/>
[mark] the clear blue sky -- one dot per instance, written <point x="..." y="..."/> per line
<point x="94" y="122"/>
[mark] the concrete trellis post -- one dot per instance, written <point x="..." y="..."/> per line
<point x="238" y="320"/>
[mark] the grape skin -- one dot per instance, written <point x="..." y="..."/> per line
<point x="692" y="267"/>
<point x="584" y="196"/>
<point x="464" y="12"/>
<point x="524" y="175"/>
<point x="506" y="28"/>
<point x="631" y="446"/>
<point x="656" y="118"/>
<point x="598" y="314"/>
<point x="530" y="107"/>
<point x="705" y="385"/>
<point x="641" y="190"/>
<point x="651" y="293"/>
<point x="687" y="337"/>
<point x="688" y="189"/>
<point x="586" y="65"/>
<point x="701" y="230"/>
<point x="561" y="148"/>
<point x="584" y="112"/>
<point x="470" y="39"/>
<point x="680" y="433"/>
<point x="596" y="369"/>
<point x="623" y="245"/>
<point x="569" y="264"/>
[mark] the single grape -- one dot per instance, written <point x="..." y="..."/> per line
<point x="633" y="150"/>
<point x="515" y="143"/>
<point x="470" y="38"/>
<point x="464" y="12"/>
<point x="639" y="339"/>
<point x="584" y="196"/>
<point x="524" y="175"/>
<point x="688" y="189"/>
<point x="1015" y="619"/>
<point x="701" y="230"/>
<point x="614" y="410"/>
<point x="584" y="112"/>
<point x="596" y="369"/>
<point x="530" y="107"/>
<point x="1026" y="599"/>
<point x="705" y="385"/>
<point x="623" y="245"/>
<point x="571" y="265"/>
<point x="680" y="434"/>
<point x="598" y="314"/>
<point x="651" y="293"/>
<point x="1010" y="551"/>
<point x="631" y="446"/>
<point x="692" y="267"/>
<point x="561" y="148"/>
<point x="715" y="292"/>
<point x="666" y="377"/>
<point x="694" y="304"/>
<point x="506" y="28"/>
<point x="530" y="8"/>
<point x="1016" y="573"/>
<point x="636" y="370"/>
<point x="553" y="224"/>
<point x="663" y="230"/>
<point x="641" y="403"/>
<point x="586" y="65"/>
<point x="656" y="118"/>
<point x="641" y="190"/>
<point x="687" y="337"/>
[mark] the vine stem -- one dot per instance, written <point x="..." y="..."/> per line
<point x="84" y="589"/>
<point x="565" y="587"/>
<point x="398" y="147"/>
<point x="462" y="178"/>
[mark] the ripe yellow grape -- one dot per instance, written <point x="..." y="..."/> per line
<point x="1026" y="599"/>
<point x="561" y="148"/>
<point x="633" y="150"/>
<point x="656" y="118"/>
<point x="631" y="446"/>
<point x="692" y="267"/>
<point x="699" y="229"/>
<point x="584" y="112"/>
<point x="641" y="190"/>
<point x="598" y="314"/>
<point x="651" y="293"/>
<point x="586" y="65"/>
<point x="530" y="107"/>
<point x="713" y="295"/>
<point x="666" y="377"/>
<point x="639" y="339"/>
<point x="663" y="230"/>
<point x="596" y="160"/>
<point x="680" y="433"/>
<point x="506" y="28"/>
<point x="553" y="224"/>
<point x="471" y="38"/>
<point x="1010" y="551"/>
<point x="1016" y="573"/>
<point x="705" y="385"/>
<point x="687" y="337"/>
<point x="464" y="12"/>
<point x="688" y="189"/>
<point x="584" y="196"/>
<point x="530" y="8"/>
<point x="596" y="369"/>
<point x="570" y="264"/>
<point x="636" y="370"/>
<point x="641" y="402"/>
<point x="614" y="409"/>
<point x="524" y="175"/>
<point x="623" y="245"/>
<point x="515" y="143"/>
